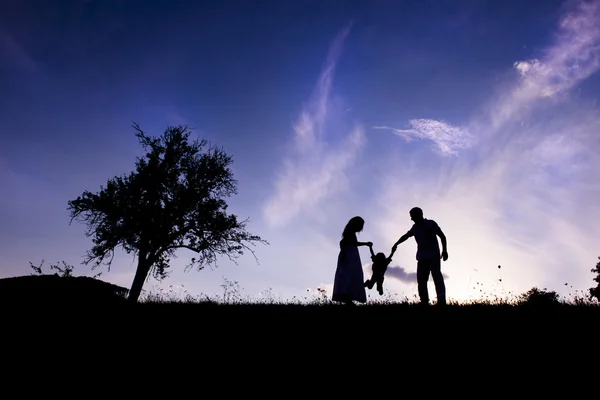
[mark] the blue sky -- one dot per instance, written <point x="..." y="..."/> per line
<point x="483" y="113"/>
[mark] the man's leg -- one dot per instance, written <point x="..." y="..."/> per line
<point x="423" y="270"/>
<point x="438" y="280"/>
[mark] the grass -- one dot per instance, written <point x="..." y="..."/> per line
<point x="173" y="323"/>
<point x="536" y="303"/>
<point x="65" y="294"/>
<point x="242" y="333"/>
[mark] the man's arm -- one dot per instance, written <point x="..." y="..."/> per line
<point x="444" y="243"/>
<point x="403" y="238"/>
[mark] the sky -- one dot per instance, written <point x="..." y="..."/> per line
<point x="483" y="113"/>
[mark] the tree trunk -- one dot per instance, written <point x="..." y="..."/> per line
<point x="140" y="276"/>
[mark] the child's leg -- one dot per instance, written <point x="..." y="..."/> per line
<point x="380" y="285"/>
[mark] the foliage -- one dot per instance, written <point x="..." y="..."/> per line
<point x="62" y="287"/>
<point x="64" y="271"/>
<point x="541" y="297"/>
<point x="595" y="292"/>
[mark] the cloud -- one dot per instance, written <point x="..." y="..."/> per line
<point x="574" y="56"/>
<point x="402" y="275"/>
<point x="314" y="169"/>
<point x="448" y="138"/>
<point x="526" y="197"/>
<point x="393" y="271"/>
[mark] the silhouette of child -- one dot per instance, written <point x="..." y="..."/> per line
<point x="380" y="264"/>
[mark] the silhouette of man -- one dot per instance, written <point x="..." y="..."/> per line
<point x="425" y="232"/>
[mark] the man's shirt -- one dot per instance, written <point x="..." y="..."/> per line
<point x="425" y="234"/>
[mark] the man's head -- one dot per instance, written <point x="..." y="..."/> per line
<point x="416" y="214"/>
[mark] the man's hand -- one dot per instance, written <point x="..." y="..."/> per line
<point x="444" y="255"/>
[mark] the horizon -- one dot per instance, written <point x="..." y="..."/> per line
<point x="483" y="114"/>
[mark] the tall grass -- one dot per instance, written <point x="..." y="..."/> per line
<point x="232" y="294"/>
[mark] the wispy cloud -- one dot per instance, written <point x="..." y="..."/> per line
<point x="314" y="169"/>
<point x="574" y="56"/>
<point x="447" y="138"/>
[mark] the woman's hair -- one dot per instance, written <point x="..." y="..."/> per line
<point x="354" y="225"/>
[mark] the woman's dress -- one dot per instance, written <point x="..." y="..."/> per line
<point x="349" y="282"/>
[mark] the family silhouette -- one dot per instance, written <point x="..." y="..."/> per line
<point x="349" y="284"/>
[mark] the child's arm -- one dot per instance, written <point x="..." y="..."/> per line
<point x="371" y="249"/>
<point x="392" y="253"/>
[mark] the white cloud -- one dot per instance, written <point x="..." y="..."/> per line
<point x="314" y="170"/>
<point x="447" y="138"/>
<point x="532" y="67"/>
<point x="573" y="57"/>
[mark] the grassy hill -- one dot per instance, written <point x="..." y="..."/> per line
<point x="53" y="289"/>
<point x="48" y="291"/>
<point x="63" y="294"/>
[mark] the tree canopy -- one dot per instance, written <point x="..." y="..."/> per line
<point x="174" y="199"/>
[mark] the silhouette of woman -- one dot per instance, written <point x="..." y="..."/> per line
<point x="348" y="285"/>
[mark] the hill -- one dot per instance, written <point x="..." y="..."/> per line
<point x="44" y="289"/>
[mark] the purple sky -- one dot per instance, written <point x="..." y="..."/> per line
<point x="483" y="113"/>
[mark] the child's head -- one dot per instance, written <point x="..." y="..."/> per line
<point x="379" y="258"/>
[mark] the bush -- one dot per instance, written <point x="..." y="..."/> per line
<point x="595" y="292"/>
<point x="539" y="297"/>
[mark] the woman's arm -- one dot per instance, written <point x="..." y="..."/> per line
<point x="352" y="240"/>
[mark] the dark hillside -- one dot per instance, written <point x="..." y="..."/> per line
<point x="54" y="288"/>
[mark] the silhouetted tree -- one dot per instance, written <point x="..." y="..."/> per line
<point x="173" y="200"/>
<point x="595" y="292"/>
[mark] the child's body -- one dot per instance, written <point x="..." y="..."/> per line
<point x="380" y="264"/>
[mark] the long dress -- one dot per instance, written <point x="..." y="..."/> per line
<point x="349" y="281"/>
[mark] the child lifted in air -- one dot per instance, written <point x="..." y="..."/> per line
<point x="380" y="264"/>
